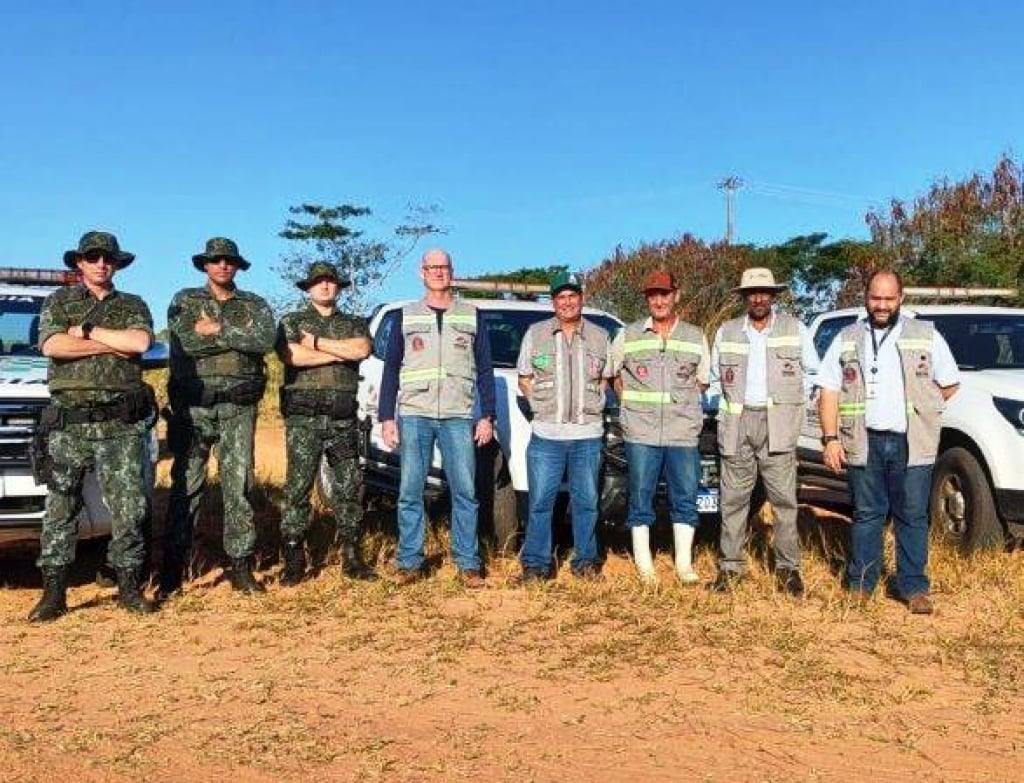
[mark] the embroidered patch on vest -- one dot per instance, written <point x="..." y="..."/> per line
<point x="594" y="366"/>
<point x="729" y="376"/>
<point x="417" y="343"/>
<point x="849" y="374"/>
<point x="541" y="361"/>
<point x="461" y="342"/>
<point x="642" y="372"/>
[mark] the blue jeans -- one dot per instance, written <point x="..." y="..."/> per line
<point x="546" y="462"/>
<point x="454" y="438"/>
<point x="681" y="465"/>
<point x="886" y="486"/>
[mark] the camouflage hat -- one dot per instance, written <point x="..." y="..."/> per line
<point x="564" y="280"/>
<point x="319" y="270"/>
<point x="98" y="240"/>
<point x="219" y="247"/>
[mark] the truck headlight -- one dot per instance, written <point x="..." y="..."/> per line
<point x="1012" y="411"/>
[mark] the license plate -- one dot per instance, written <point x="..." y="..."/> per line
<point x="707" y="501"/>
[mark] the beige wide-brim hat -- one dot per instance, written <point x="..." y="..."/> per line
<point x="758" y="278"/>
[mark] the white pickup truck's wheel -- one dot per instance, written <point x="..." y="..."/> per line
<point x="963" y="510"/>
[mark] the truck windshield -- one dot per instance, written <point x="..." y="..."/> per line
<point x="506" y="329"/>
<point x="983" y="342"/>
<point x="19" y="324"/>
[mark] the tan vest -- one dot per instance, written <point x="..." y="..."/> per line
<point x="438" y="374"/>
<point x="785" y="380"/>
<point x="551" y="398"/>
<point x="924" y="401"/>
<point x="660" y="393"/>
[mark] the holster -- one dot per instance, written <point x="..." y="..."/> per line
<point x="39" y="446"/>
<point x="318" y="402"/>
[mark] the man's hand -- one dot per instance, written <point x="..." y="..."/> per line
<point x="307" y="340"/>
<point x="207" y="326"/>
<point x="484" y="432"/>
<point x="834" y="455"/>
<point x="76" y="331"/>
<point x="389" y="433"/>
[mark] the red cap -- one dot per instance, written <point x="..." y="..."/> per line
<point x="660" y="280"/>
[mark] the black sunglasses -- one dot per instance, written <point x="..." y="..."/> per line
<point x="97" y="255"/>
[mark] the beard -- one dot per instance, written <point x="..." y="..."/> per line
<point x="890" y="321"/>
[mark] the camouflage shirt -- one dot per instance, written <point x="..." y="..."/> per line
<point x="338" y="326"/>
<point x="225" y="359"/>
<point x="99" y="378"/>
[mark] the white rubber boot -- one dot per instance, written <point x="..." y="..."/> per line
<point x="642" y="553"/>
<point x="683" y="535"/>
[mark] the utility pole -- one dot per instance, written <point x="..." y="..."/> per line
<point x="730" y="185"/>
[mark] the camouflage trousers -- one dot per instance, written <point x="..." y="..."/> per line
<point x="309" y="438"/>
<point x="115" y="452"/>
<point x="191" y="436"/>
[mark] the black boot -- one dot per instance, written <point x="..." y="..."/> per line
<point x="352" y="564"/>
<point x="294" y="563"/>
<point x="129" y="594"/>
<point x="171" y="576"/>
<point x="241" y="577"/>
<point x="54" y="601"/>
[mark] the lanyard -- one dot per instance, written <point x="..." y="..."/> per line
<point x="877" y="344"/>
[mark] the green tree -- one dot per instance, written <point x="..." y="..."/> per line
<point x="965" y="233"/>
<point x="325" y="233"/>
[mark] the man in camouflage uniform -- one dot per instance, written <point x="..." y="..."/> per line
<point x="94" y="336"/>
<point x="218" y="337"/>
<point x="321" y="349"/>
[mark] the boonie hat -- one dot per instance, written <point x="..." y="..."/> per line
<point x="319" y="270"/>
<point x="659" y="280"/>
<point x="564" y="280"/>
<point x="758" y="278"/>
<point x="219" y="247"/>
<point x="98" y="240"/>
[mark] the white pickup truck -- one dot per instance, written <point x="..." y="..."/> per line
<point x="501" y="470"/>
<point x="977" y="496"/>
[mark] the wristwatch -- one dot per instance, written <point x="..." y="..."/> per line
<point x="86" y="330"/>
<point x="827" y="439"/>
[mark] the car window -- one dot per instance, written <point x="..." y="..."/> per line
<point x="828" y="329"/>
<point x="506" y="329"/>
<point x="983" y="341"/>
<point x="383" y="335"/>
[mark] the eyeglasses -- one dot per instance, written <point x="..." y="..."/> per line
<point x="436" y="268"/>
<point x="94" y="256"/>
<point x="223" y="260"/>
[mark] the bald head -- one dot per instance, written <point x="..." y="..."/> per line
<point x="435" y="256"/>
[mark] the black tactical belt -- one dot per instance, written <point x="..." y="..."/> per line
<point x="131" y="407"/>
<point x="197" y="394"/>
<point x="317" y="402"/>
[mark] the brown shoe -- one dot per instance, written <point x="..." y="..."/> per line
<point x="920" y="603"/>
<point x="407" y="576"/>
<point x="472" y="580"/>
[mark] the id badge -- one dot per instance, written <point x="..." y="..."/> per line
<point x="872" y="390"/>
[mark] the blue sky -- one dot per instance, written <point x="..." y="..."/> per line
<point x="547" y="132"/>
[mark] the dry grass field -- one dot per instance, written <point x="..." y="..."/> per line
<point x="606" y="680"/>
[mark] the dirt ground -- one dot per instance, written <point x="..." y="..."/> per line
<point x="606" y="680"/>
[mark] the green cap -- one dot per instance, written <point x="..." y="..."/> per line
<point x="319" y="270"/>
<point x="219" y="247"/>
<point x="98" y="240"/>
<point x="565" y="280"/>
